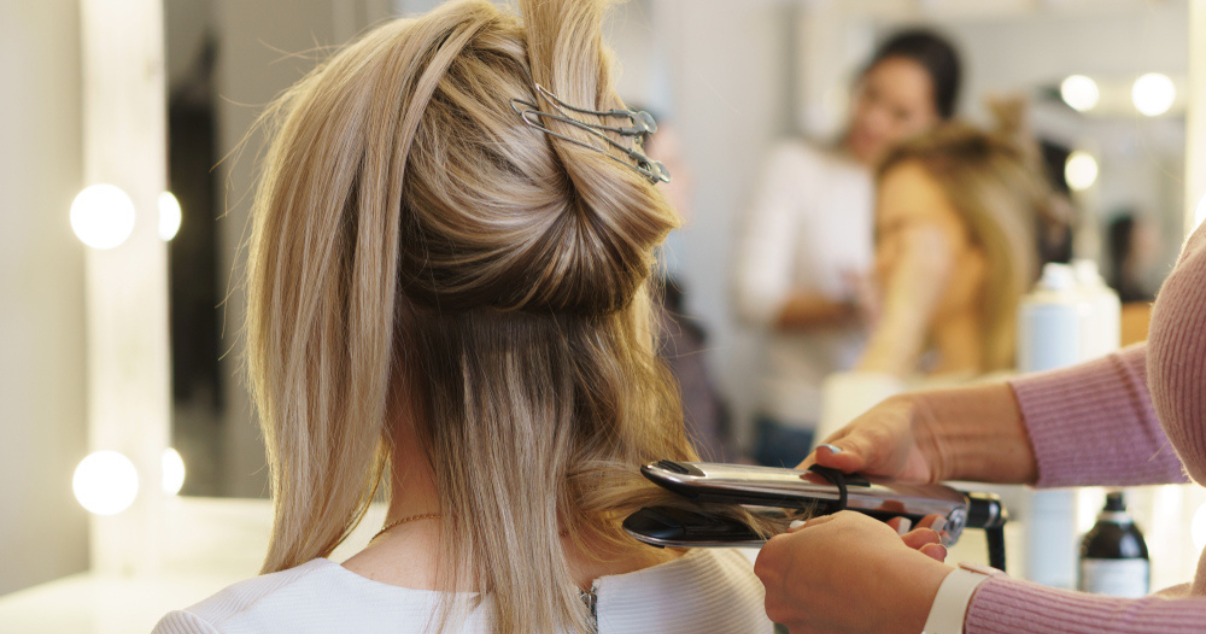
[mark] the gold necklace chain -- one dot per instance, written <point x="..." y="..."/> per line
<point x="412" y="518"/>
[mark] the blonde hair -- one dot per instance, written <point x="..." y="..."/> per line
<point x="991" y="180"/>
<point x="422" y="257"/>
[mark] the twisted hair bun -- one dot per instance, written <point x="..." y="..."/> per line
<point x="497" y="213"/>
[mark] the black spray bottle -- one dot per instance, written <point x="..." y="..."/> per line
<point x="1113" y="556"/>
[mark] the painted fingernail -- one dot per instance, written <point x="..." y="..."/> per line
<point x="795" y="524"/>
<point x="938" y="525"/>
<point x="833" y="449"/>
<point x="904" y="526"/>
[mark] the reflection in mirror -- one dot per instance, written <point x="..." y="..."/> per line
<point x="733" y="77"/>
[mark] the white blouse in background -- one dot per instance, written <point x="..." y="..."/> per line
<point x="810" y="228"/>
<point x="703" y="592"/>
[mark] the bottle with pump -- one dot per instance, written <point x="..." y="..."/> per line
<point x="1113" y="556"/>
<point x="1050" y="322"/>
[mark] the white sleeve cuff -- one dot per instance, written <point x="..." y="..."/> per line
<point x="954" y="595"/>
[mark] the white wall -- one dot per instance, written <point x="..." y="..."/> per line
<point x="43" y="532"/>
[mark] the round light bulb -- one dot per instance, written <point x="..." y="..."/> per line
<point x="105" y="483"/>
<point x="1079" y="92"/>
<point x="173" y="471"/>
<point x="1080" y="171"/>
<point x="1153" y="94"/>
<point x="169" y="216"/>
<point x="102" y="216"/>
<point x="1197" y="529"/>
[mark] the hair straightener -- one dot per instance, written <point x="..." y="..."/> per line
<point x="818" y="491"/>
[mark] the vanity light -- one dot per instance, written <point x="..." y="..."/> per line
<point x="169" y="216"/>
<point x="1079" y="92"/>
<point x="1080" y="171"/>
<point x="173" y="471"/>
<point x="105" y="483"/>
<point x="1153" y="94"/>
<point x="102" y="216"/>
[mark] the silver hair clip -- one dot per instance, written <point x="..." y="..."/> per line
<point x="641" y="124"/>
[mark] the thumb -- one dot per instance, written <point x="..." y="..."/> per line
<point x="847" y="454"/>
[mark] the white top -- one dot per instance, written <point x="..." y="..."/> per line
<point x="810" y="228"/>
<point x="702" y="592"/>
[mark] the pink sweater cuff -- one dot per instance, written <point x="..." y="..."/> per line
<point x="1094" y="424"/>
<point x="1008" y="606"/>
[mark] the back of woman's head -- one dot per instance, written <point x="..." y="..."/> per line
<point x="991" y="180"/>
<point x="423" y="259"/>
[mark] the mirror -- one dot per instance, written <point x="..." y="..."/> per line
<point x="733" y="76"/>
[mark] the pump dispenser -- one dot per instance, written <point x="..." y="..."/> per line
<point x="1113" y="556"/>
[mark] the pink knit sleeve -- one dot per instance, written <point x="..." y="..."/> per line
<point x="1094" y="424"/>
<point x="1008" y="606"/>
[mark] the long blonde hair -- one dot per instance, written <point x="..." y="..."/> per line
<point x="992" y="180"/>
<point x="422" y="257"/>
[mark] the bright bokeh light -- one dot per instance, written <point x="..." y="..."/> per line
<point x="1153" y="94"/>
<point x="173" y="471"/>
<point x="1080" y="171"/>
<point x="105" y="483"/>
<point x="1197" y="529"/>
<point x="1079" y="92"/>
<point x="102" y="216"/>
<point x="169" y="216"/>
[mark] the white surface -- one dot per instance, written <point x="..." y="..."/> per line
<point x="43" y="531"/>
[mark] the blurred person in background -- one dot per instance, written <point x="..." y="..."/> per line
<point x="806" y="244"/>
<point x="1133" y="244"/>
<point x="956" y="215"/>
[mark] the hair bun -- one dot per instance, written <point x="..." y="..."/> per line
<point x="496" y="213"/>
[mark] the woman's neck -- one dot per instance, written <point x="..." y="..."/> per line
<point x="958" y="340"/>
<point x="410" y="555"/>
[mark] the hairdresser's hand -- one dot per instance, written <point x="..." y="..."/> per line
<point x="848" y="574"/>
<point x="967" y="433"/>
<point x="894" y="439"/>
<point x="921" y="272"/>
<point x="914" y="271"/>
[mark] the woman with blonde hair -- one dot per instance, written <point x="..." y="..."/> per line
<point x="956" y="248"/>
<point x="957" y="214"/>
<point x="454" y="234"/>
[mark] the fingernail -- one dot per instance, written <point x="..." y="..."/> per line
<point x="795" y="524"/>
<point x="833" y="449"/>
<point x="904" y="526"/>
<point x="938" y="525"/>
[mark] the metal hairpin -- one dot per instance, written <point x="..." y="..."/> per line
<point x="641" y="125"/>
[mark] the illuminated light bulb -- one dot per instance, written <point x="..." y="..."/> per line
<point x="102" y="216"/>
<point x="173" y="471"/>
<point x="1153" y="94"/>
<point x="1080" y="171"/>
<point x="105" y="483"/>
<point x="169" y="216"/>
<point x="1079" y="92"/>
<point x="1197" y="529"/>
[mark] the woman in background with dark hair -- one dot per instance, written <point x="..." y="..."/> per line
<point x="807" y="240"/>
